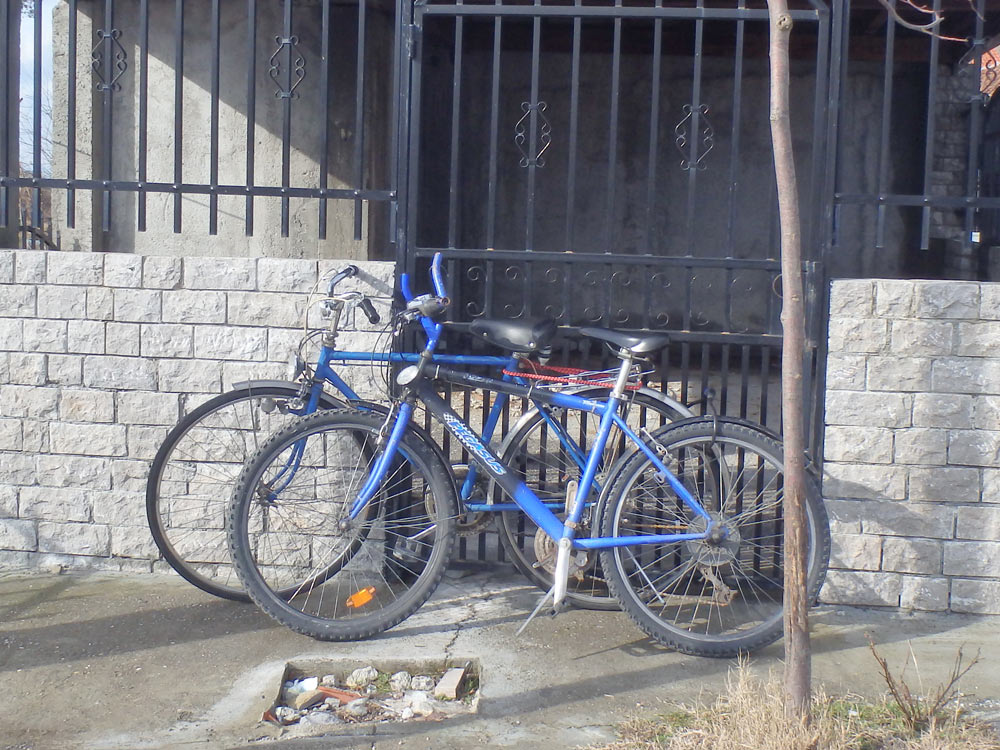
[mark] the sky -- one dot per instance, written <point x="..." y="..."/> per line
<point x="27" y="78"/>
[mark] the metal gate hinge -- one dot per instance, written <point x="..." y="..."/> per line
<point x="413" y="41"/>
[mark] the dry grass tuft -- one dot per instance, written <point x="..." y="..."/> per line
<point x="750" y="715"/>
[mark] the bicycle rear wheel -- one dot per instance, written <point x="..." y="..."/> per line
<point x="710" y="598"/>
<point x="305" y="562"/>
<point x="192" y="476"/>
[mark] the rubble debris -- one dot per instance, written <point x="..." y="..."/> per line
<point x="447" y="686"/>
<point x="362" y="677"/>
<point x="422" y="682"/>
<point x="400" y="682"/>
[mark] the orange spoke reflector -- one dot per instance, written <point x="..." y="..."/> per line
<point x="361" y="598"/>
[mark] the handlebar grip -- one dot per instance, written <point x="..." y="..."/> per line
<point x="369" y="310"/>
<point x="344" y="273"/>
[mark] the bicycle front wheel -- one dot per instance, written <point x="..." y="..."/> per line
<point x="719" y="597"/>
<point x="311" y="567"/>
<point x="192" y="476"/>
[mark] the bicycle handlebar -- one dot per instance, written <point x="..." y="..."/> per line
<point x="344" y="273"/>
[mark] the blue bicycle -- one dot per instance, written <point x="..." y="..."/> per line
<point x="341" y="525"/>
<point x="192" y="475"/>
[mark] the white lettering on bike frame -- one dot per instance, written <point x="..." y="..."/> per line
<point x="469" y="440"/>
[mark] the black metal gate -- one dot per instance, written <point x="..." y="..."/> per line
<point x="610" y="164"/>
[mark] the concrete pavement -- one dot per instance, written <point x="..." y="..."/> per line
<point x="115" y="661"/>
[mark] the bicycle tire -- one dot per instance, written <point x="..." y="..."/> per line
<point x="722" y="598"/>
<point x="188" y="527"/>
<point x="534" y="451"/>
<point x="308" y="567"/>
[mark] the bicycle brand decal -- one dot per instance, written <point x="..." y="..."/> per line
<point x="469" y="440"/>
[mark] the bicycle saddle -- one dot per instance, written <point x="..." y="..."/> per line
<point x="637" y="343"/>
<point x="528" y="335"/>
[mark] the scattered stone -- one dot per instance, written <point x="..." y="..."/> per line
<point x="400" y="682"/>
<point x="318" y="717"/>
<point x="357" y="708"/>
<point x="447" y="687"/>
<point x="362" y="677"/>
<point x="422" y="682"/>
<point x="287" y="715"/>
<point x="328" y="680"/>
<point x="308" y="699"/>
<point x="407" y="714"/>
<point x="420" y="703"/>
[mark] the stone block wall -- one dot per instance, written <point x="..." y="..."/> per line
<point x="912" y="448"/>
<point x="101" y="353"/>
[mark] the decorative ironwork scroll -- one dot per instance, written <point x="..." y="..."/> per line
<point x="109" y="39"/>
<point x="706" y="134"/>
<point x="544" y="134"/>
<point x="295" y="62"/>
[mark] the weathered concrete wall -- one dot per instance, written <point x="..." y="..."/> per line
<point x="912" y="472"/>
<point x="100" y="354"/>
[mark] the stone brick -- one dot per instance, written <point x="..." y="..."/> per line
<point x="986" y="412"/>
<point x="8" y="500"/>
<point x="18" y="468"/>
<point x="914" y="338"/>
<point x="921" y="446"/>
<point x="28" y="401"/>
<point x="6" y="266"/>
<point x="17" y="301"/>
<point x="932" y="521"/>
<point x="4" y="368"/>
<point x="896" y="373"/>
<point x="122" y="269"/>
<point x="926" y="594"/>
<point x="944" y="484"/>
<point x="75" y="268"/>
<point x="977" y="339"/>
<point x="17" y="534"/>
<point x="143" y="442"/>
<point x="62" y="302"/>
<point x="942" y="410"/>
<point x="29" y="266"/>
<point x="978" y="523"/>
<point x="224" y="342"/>
<point x="964" y="375"/>
<point x="946" y="299"/>
<point x="128" y="476"/>
<point x="10" y="334"/>
<point x="26" y="369"/>
<point x="258" y="308"/>
<point x="989" y="302"/>
<point x="44" y="335"/>
<point x="123" y="339"/>
<point x="856" y="552"/>
<point x="167" y="340"/>
<point x="65" y="369"/>
<point x="893" y="298"/>
<point x="975" y="597"/>
<point x="100" y="304"/>
<point x="286" y="275"/>
<point x="74" y="471"/>
<point x="220" y="273"/>
<point x="161" y="272"/>
<point x="189" y="376"/>
<point x="85" y="337"/>
<point x="50" y="504"/>
<point x="858" y="335"/>
<point x="121" y="508"/>
<point x="133" y="541"/>
<point x="122" y="373"/>
<point x="88" y="439"/>
<point x="861" y="481"/>
<point x="137" y="305"/>
<point x="74" y="538"/>
<point x="974" y="559"/>
<point x="86" y="405"/>
<point x="862" y="588"/>
<point x="143" y="407"/>
<point x="10" y="435"/>
<point x="845" y="372"/>
<point x="851" y="297"/>
<point x="238" y="372"/>
<point x="35" y="436"/>
<point x="911" y="555"/>
<point x="868" y="409"/>
<point x="974" y="448"/>
<point x="858" y="445"/>
<point x="185" y="306"/>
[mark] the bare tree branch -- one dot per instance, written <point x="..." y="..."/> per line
<point x="932" y="24"/>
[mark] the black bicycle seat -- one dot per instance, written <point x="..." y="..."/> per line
<point x="637" y="343"/>
<point x="528" y="335"/>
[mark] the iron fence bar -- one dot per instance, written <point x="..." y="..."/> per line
<point x="883" y="162"/>
<point x="840" y="35"/>
<point x="975" y="135"/>
<point x="143" y="111"/>
<point x="178" y="110"/>
<point x="536" y="49"/>
<point x="616" y="56"/>
<point x="695" y="130"/>
<point x="7" y="25"/>
<point x="724" y="356"/>
<point x="491" y="199"/>
<point x="108" y="87"/>
<point x="324" y="98"/>
<point x="765" y="378"/>
<point x="395" y="115"/>
<point x="819" y="146"/>
<point x="413" y="146"/>
<point x="213" y="197"/>
<point x="71" y="114"/>
<point x="543" y="256"/>
<point x="734" y="157"/>
<point x="654" y="128"/>
<point x="918" y="201"/>
<point x="574" y="124"/>
<point x="286" y="95"/>
<point x="456" y="103"/>
<point x="359" y="117"/>
<point x="251" y="111"/>
<point x="407" y="35"/>
<point x="593" y="11"/>
<point x="36" y="109"/>
<point x="925" y="223"/>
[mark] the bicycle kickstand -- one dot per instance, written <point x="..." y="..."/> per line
<point x="547" y="596"/>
